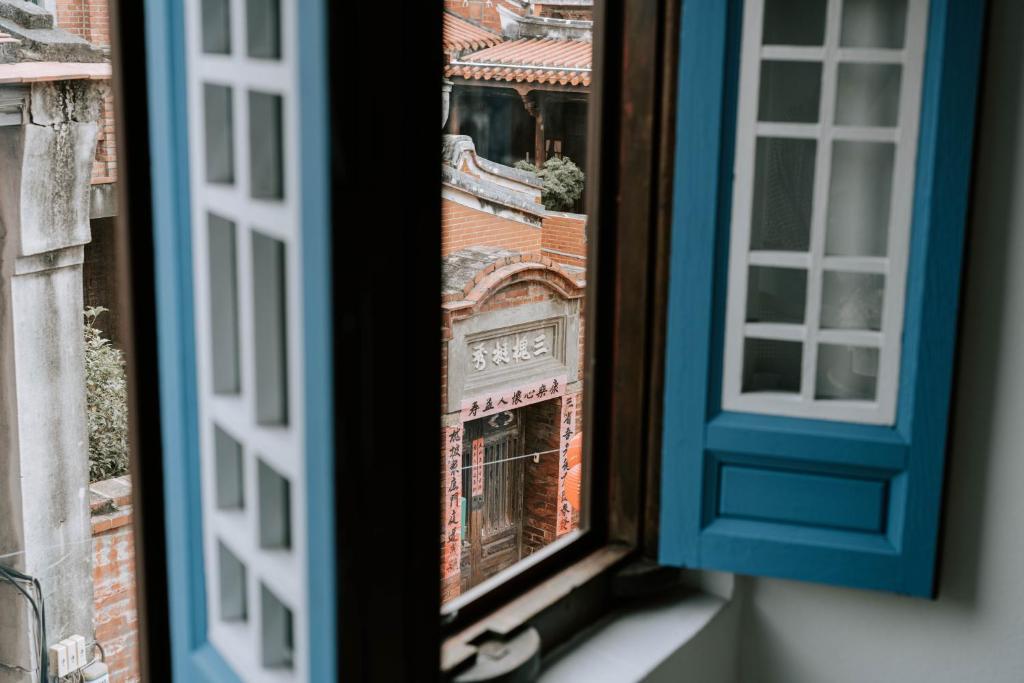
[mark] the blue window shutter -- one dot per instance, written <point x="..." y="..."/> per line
<point x="832" y="502"/>
<point x="194" y="657"/>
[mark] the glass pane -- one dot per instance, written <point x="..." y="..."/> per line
<point x="874" y="23"/>
<point x="790" y="91"/>
<point x="263" y="30"/>
<point x="217" y="26"/>
<point x="794" y="22"/>
<point x="276" y="634"/>
<point x="847" y="373"/>
<point x="772" y="365"/>
<point x="266" y="160"/>
<point x="783" y="193"/>
<point x="514" y="238"/>
<point x="776" y="295"/>
<point x="852" y="301"/>
<point x="868" y="94"/>
<point x="219" y="134"/>
<point x="232" y="585"/>
<point x="223" y="305"/>
<point x="275" y="508"/>
<point x="269" y="328"/>
<point x="230" y="482"/>
<point x="858" y="198"/>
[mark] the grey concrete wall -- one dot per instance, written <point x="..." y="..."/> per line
<point x="45" y="170"/>
<point x="974" y="631"/>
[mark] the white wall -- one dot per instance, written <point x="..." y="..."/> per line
<point x="974" y="632"/>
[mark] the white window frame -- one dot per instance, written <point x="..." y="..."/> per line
<point x="282" y="447"/>
<point x="894" y="265"/>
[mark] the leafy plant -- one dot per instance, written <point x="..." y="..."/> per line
<point x="106" y="401"/>
<point x="563" y="182"/>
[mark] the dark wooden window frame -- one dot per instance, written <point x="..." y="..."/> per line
<point x="386" y="282"/>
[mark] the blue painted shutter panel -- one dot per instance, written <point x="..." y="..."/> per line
<point x="825" y="501"/>
<point x="294" y="628"/>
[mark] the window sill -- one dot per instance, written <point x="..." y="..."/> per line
<point x="692" y="631"/>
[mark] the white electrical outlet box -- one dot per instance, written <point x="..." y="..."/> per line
<point x="72" y="650"/>
<point x="59" y="660"/>
<point x="80" y="647"/>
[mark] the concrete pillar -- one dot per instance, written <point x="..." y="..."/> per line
<point x="45" y="168"/>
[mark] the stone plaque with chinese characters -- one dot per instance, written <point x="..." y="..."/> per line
<point x="512" y="347"/>
<point x="513" y="350"/>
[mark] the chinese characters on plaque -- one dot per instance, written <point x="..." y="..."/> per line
<point x="512" y="349"/>
<point x="504" y="399"/>
<point x="563" y="522"/>
<point x="452" y="557"/>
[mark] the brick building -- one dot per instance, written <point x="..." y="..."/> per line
<point x="512" y="354"/>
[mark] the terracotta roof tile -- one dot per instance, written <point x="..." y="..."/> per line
<point x="459" y="34"/>
<point x="533" y="60"/>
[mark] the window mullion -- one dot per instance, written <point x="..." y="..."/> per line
<point x="819" y="204"/>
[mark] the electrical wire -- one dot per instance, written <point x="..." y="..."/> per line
<point x="515" y="457"/>
<point x="13" y="576"/>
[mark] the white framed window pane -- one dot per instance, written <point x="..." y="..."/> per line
<point x="868" y="94"/>
<point x="848" y="373"/>
<point x="859" y="198"/>
<point x="223" y="305"/>
<point x="219" y="133"/>
<point x="794" y="22"/>
<point x="217" y="26"/>
<point x="263" y="29"/>
<point x="277" y="632"/>
<point x="826" y="141"/>
<point x="772" y="365"/>
<point x="852" y="301"/>
<point x="783" y="194"/>
<point x="790" y="91"/>
<point x="874" y="23"/>
<point x="232" y="573"/>
<point x="776" y="295"/>
<point x="230" y="471"/>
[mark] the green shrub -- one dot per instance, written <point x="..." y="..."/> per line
<point x="106" y="400"/>
<point x="563" y="182"/>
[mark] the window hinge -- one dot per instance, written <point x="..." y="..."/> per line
<point x="643" y="578"/>
<point x="503" y="659"/>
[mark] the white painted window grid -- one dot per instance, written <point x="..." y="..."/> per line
<point x="282" y="447"/>
<point x="881" y="410"/>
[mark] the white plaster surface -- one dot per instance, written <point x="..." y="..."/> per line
<point x="654" y="642"/>
<point x="974" y="631"/>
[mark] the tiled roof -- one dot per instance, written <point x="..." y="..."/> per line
<point x="32" y="72"/>
<point x="533" y="60"/>
<point x="458" y="34"/>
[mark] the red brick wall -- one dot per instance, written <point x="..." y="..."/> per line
<point x="540" y="483"/>
<point x="463" y="227"/>
<point x="115" y="619"/>
<point x="565" y="235"/>
<point x="104" y="166"/>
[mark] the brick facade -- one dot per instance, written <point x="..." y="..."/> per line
<point x="115" y="618"/>
<point x="465" y="227"/>
<point x="564" y="238"/>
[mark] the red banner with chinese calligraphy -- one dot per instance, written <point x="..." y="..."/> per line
<point x="567" y="429"/>
<point x="478" y="467"/>
<point x="452" y="557"/>
<point x="510" y="398"/>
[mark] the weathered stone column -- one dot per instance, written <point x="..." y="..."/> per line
<point x="45" y="168"/>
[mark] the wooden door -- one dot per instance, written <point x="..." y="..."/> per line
<point x="493" y="539"/>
